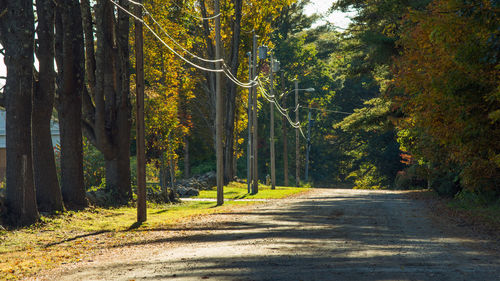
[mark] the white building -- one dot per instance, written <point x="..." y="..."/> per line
<point x="54" y="129"/>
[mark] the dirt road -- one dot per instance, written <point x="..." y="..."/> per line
<point x="328" y="234"/>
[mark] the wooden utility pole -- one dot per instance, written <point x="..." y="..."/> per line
<point x="219" y="125"/>
<point x="297" y="161"/>
<point x="271" y="133"/>
<point x="139" y="107"/>
<point x="255" y="188"/>
<point x="249" y="148"/>
<point x="285" y="138"/>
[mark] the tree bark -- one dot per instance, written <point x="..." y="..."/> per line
<point x="107" y="103"/>
<point x="70" y="61"/>
<point x="187" y="167"/>
<point x="17" y="26"/>
<point x="231" y="88"/>
<point x="123" y="105"/>
<point x="48" y="192"/>
<point x="210" y="77"/>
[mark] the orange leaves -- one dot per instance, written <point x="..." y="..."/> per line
<point x="449" y="76"/>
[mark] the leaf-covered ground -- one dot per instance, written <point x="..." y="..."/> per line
<point x="73" y="236"/>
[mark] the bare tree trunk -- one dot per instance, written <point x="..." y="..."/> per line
<point x="171" y="168"/>
<point x="17" y="26"/>
<point x="187" y="167"/>
<point x="210" y="77"/>
<point x="48" y="192"/>
<point x="70" y="61"/>
<point x="107" y="102"/>
<point x="124" y="107"/>
<point x="234" y="63"/>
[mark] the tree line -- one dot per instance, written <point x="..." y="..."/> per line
<point x="88" y="91"/>
<point x="406" y="96"/>
<point x="434" y="65"/>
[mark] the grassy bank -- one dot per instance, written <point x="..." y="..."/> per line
<point x="478" y="212"/>
<point x="73" y="236"/>
<point x="481" y="208"/>
<point x="237" y="190"/>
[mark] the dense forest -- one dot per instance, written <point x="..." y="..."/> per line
<point x="408" y="96"/>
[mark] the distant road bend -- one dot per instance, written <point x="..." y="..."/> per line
<point x="327" y="234"/>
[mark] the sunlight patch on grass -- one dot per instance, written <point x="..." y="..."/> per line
<point x="235" y="190"/>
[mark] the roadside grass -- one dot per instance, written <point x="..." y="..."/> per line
<point x="479" y="211"/>
<point x="73" y="236"/>
<point x="483" y="208"/>
<point x="236" y="190"/>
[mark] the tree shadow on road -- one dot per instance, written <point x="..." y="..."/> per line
<point x="362" y="236"/>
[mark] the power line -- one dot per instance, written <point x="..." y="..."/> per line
<point x="255" y="82"/>
<point x="164" y="43"/>
<point x="225" y="68"/>
<point x="283" y="112"/>
<point x="188" y="13"/>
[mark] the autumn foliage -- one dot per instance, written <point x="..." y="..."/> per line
<point x="448" y="73"/>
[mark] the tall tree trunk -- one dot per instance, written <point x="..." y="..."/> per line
<point x="48" y="192"/>
<point x="107" y="100"/>
<point x="210" y="76"/>
<point x="70" y="61"/>
<point x="17" y="26"/>
<point x="123" y="105"/>
<point x="234" y="63"/>
<point x="187" y="168"/>
<point x="163" y="172"/>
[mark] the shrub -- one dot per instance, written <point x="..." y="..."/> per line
<point x="446" y="184"/>
<point x="413" y="177"/>
<point x="93" y="165"/>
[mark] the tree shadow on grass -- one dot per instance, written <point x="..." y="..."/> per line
<point x="76" y="238"/>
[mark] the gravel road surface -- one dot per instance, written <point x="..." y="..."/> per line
<point x="326" y="234"/>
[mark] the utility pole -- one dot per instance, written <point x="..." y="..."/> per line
<point x="285" y="138"/>
<point x="139" y="107"/>
<point x="249" y="146"/>
<point x="219" y="126"/>
<point x="219" y="110"/>
<point x="308" y="146"/>
<point x="297" y="161"/>
<point x="255" y="179"/>
<point x="271" y="133"/>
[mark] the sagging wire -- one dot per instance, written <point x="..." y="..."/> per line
<point x="175" y="4"/>
<point x="170" y="37"/>
<point x="164" y="43"/>
<point x="225" y="68"/>
<point x="283" y="112"/>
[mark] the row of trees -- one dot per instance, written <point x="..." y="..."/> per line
<point x="421" y="79"/>
<point x="435" y="66"/>
<point x="90" y="91"/>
